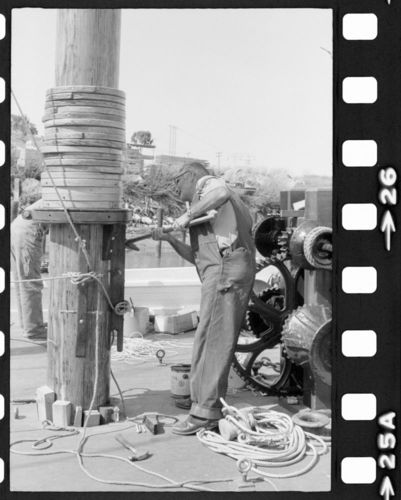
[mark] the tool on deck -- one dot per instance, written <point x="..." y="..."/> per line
<point x="244" y="466"/>
<point x="130" y="243"/>
<point x="160" y="355"/>
<point x="152" y="423"/>
<point x="136" y="456"/>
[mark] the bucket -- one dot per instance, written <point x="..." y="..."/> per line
<point x="136" y="321"/>
<point x="180" y="381"/>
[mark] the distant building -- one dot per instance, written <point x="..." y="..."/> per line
<point x="135" y="158"/>
<point x="27" y="152"/>
<point x="242" y="188"/>
<point x="176" y="162"/>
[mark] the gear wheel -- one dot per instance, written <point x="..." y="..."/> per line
<point x="261" y="373"/>
<point x="267" y="310"/>
<point x="258" y="358"/>
<point x="254" y="322"/>
<point x="306" y="336"/>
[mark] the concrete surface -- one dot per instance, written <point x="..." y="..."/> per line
<point x="146" y="388"/>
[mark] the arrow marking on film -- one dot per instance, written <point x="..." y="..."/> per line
<point x="387" y="227"/>
<point x="386" y="488"/>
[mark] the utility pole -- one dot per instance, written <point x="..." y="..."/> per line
<point x="173" y="140"/>
<point x="84" y="140"/>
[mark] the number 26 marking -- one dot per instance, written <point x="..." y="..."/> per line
<point x="388" y="194"/>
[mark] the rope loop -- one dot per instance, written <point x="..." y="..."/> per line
<point x="122" y="308"/>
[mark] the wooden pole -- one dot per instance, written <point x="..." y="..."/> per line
<point x="160" y="215"/>
<point x="88" y="47"/>
<point x="87" y="53"/>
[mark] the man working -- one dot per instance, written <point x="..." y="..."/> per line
<point x="26" y="252"/>
<point x="224" y="255"/>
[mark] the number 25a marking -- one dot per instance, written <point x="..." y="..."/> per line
<point x="388" y="193"/>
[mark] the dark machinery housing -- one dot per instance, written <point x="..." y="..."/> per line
<point x="285" y="344"/>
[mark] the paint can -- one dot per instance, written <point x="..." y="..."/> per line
<point x="180" y="381"/>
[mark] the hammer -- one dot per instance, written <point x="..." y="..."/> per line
<point x="136" y="456"/>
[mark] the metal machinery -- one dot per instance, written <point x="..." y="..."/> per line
<point x="285" y="345"/>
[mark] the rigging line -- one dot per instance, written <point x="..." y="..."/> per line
<point x="77" y="236"/>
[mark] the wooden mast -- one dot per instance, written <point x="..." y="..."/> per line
<point x="88" y="47"/>
<point x="87" y="53"/>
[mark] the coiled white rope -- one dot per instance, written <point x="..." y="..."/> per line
<point x="268" y="439"/>
<point x="137" y="349"/>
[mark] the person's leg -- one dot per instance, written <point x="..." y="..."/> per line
<point x="17" y="286"/>
<point x="209" y="297"/>
<point x="30" y="255"/>
<point x="215" y="349"/>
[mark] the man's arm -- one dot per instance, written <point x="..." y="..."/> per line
<point x="182" y="249"/>
<point x="214" y="198"/>
<point x="185" y="251"/>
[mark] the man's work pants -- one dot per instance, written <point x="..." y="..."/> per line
<point x="225" y="293"/>
<point x="26" y="253"/>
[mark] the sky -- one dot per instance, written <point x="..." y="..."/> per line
<point x="252" y="85"/>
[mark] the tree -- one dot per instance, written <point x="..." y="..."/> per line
<point x="142" y="138"/>
<point x="19" y="136"/>
<point x="157" y="186"/>
<point x="19" y="127"/>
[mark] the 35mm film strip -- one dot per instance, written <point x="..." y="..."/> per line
<point x="366" y="288"/>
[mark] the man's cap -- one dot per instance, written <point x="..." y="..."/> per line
<point x="180" y="173"/>
<point x="188" y="167"/>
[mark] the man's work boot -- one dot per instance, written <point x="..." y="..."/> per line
<point x="192" y="425"/>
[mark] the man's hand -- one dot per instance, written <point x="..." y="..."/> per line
<point x="159" y="235"/>
<point x="182" y="222"/>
